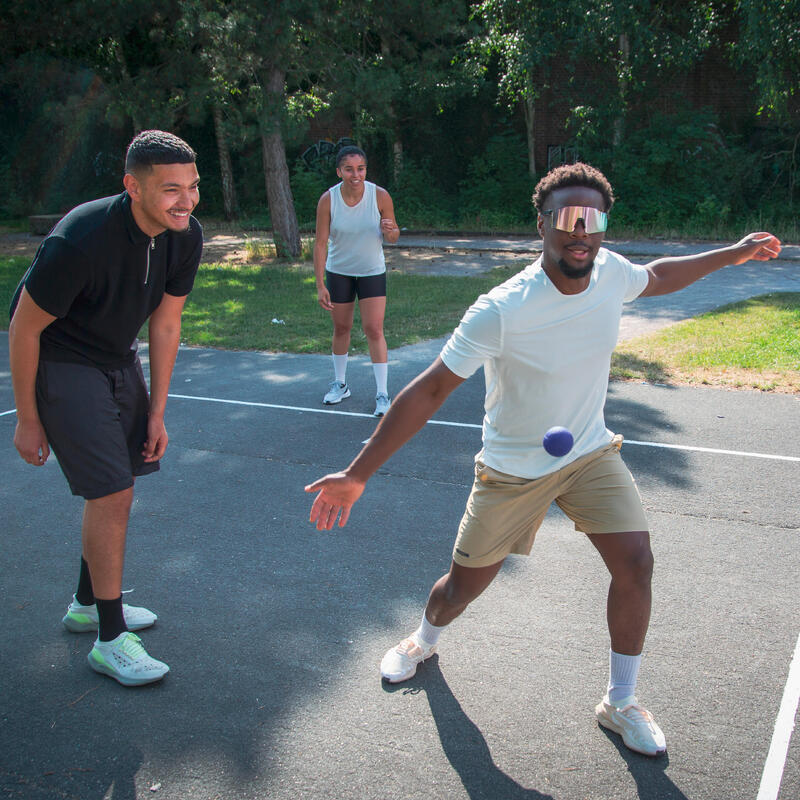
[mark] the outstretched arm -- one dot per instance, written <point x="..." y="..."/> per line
<point x="411" y="409"/>
<point x="672" y="274"/>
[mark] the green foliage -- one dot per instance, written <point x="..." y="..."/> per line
<point x="674" y="172"/>
<point x="497" y="190"/>
<point x="307" y="187"/>
<point x="419" y="202"/>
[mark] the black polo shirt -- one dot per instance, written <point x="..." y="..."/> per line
<point x="102" y="276"/>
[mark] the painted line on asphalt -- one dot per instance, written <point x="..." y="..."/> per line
<point x="6" y="413"/>
<point x="714" y="450"/>
<point x="784" y="725"/>
<point x="478" y="427"/>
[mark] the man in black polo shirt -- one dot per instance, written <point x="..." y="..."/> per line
<point x="106" y="268"/>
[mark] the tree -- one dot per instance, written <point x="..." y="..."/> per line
<point x="398" y="64"/>
<point x="577" y="48"/>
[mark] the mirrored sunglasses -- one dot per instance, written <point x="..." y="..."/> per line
<point x="565" y="219"/>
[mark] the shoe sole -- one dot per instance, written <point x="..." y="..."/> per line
<point x="335" y="402"/>
<point x="74" y="626"/>
<point x="605" y="722"/>
<point x="103" y="670"/>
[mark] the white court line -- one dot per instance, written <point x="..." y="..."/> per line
<point x="6" y="413"/>
<point x="784" y="725"/>
<point x="479" y="427"/>
<point x="713" y="450"/>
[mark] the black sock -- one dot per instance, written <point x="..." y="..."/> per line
<point x="85" y="594"/>
<point x="111" y="619"/>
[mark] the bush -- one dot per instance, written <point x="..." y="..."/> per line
<point x="419" y="202"/>
<point x="496" y="193"/>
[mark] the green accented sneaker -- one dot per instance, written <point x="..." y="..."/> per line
<point x="80" y="619"/>
<point x="634" y="723"/>
<point x="126" y="660"/>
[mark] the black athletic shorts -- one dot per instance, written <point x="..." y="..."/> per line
<point x="345" y="288"/>
<point x="96" y="424"/>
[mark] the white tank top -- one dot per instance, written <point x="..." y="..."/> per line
<point x="355" y="243"/>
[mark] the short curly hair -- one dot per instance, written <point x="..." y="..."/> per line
<point x="157" y="147"/>
<point x="577" y="174"/>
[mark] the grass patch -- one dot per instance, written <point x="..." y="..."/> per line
<point x="274" y="308"/>
<point x="11" y="270"/>
<point x="753" y="344"/>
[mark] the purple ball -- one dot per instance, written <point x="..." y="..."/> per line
<point x="557" y="441"/>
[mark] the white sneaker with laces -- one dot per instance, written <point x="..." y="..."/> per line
<point x="336" y="393"/>
<point x="382" y="404"/>
<point x="400" y="663"/>
<point x="634" y="723"/>
<point x="126" y="660"/>
<point x="80" y="618"/>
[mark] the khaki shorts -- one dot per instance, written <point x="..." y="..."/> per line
<point x="597" y="492"/>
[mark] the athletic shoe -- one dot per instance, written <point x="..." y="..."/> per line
<point x="336" y="393"/>
<point x="400" y="663"/>
<point x="634" y="723"/>
<point x="381" y="404"/>
<point x="126" y="660"/>
<point x="80" y="619"/>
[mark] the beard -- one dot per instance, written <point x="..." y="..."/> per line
<point x="574" y="272"/>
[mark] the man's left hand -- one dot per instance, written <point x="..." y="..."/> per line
<point x="760" y="246"/>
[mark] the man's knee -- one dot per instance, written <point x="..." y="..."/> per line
<point x="638" y="566"/>
<point x="117" y="504"/>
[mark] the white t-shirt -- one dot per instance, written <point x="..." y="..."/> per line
<point x="546" y="358"/>
<point x="355" y="242"/>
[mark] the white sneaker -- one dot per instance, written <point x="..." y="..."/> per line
<point x="382" y="403"/>
<point x="400" y="663"/>
<point x="337" y="392"/>
<point x="126" y="660"/>
<point x="634" y="723"/>
<point x="80" y="619"/>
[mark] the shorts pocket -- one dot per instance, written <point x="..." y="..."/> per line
<point x="487" y="476"/>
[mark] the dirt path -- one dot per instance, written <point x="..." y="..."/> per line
<point x="256" y="249"/>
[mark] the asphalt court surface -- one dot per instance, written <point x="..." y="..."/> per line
<point x="274" y="631"/>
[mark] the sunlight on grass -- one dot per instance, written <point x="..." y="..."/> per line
<point x="752" y="344"/>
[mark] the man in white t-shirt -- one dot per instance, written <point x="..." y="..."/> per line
<point x="545" y="339"/>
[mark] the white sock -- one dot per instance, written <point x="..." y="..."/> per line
<point x="623" y="671"/>
<point x="339" y="367"/>
<point x="381" y="377"/>
<point x="428" y="633"/>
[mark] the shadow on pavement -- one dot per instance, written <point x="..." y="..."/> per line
<point x="462" y="741"/>
<point x="649" y="773"/>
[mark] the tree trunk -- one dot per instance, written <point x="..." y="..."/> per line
<point x="619" y="122"/>
<point x="529" y="108"/>
<point x="397" y="160"/>
<point x="285" y="231"/>
<point x="229" y="200"/>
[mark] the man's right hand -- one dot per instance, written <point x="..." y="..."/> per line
<point x="337" y="492"/>
<point x="31" y="443"/>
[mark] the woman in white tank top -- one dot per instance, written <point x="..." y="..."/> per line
<point x="354" y="218"/>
